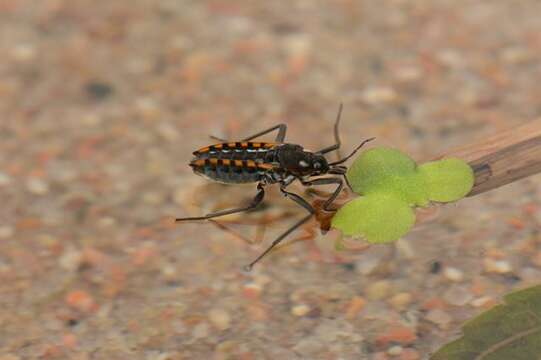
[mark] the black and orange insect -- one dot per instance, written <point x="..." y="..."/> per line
<point x="266" y="163"/>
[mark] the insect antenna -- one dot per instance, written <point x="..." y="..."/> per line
<point x="336" y="132"/>
<point x="352" y="153"/>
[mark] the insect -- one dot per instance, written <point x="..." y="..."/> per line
<point x="267" y="163"/>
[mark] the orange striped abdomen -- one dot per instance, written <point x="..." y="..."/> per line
<point x="235" y="162"/>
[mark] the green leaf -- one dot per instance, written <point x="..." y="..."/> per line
<point x="377" y="217"/>
<point x="391" y="184"/>
<point x="390" y="171"/>
<point x="448" y="179"/>
<point x="505" y="332"/>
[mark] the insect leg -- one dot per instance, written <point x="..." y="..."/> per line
<point x="328" y="181"/>
<point x="282" y="128"/>
<point x="299" y="200"/>
<point x="338" y="143"/>
<point x="218" y="139"/>
<point x="255" y="202"/>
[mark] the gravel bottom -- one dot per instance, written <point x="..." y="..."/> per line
<point x="102" y="103"/>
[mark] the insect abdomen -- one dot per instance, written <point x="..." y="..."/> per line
<point x="234" y="163"/>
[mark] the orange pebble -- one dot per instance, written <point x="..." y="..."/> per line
<point x="93" y="257"/>
<point x="51" y="352"/>
<point x="28" y="223"/>
<point x="246" y="356"/>
<point x="398" y="334"/>
<point x="434" y="303"/>
<point x="496" y="254"/>
<point x="80" y="300"/>
<point x="297" y="64"/>
<point x="257" y="312"/>
<point x="530" y="208"/>
<point x="251" y="291"/>
<point x="356" y="304"/>
<point x="380" y="356"/>
<point x="141" y="256"/>
<point x="69" y="341"/>
<point x="409" y="354"/>
<point x="478" y="287"/>
<point x="516" y="223"/>
<point x="167" y="222"/>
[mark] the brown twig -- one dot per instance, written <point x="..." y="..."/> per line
<point x="504" y="158"/>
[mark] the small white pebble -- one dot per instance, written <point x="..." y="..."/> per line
<point x="220" y="318"/>
<point x="481" y="301"/>
<point x="262" y="279"/>
<point x="453" y="274"/>
<point x="300" y="310"/>
<point x="298" y="45"/>
<point x="37" y="186"/>
<point x="9" y="357"/>
<point x="401" y="300"/>
<point x="439" y="317"/>
<point x="4" y="179"/>
<point x="515" y="55"/>
<point x="378" y="95"/>
<point x="253" y="287"/>
<point x="457" y="295"/>
<point x="497" y="266"/>
<point x="91" y="120"/>
<point x="395" y="350"/>
<point x="6" y="231"/>
<point x="169" y="271"/>
<point x="408" y="73"/>
<point x="503" y="266"/>
<point x="148" y="108"/>
<point x="378" y="290"/>
<point x="530" y="274"/>
<point x="70" y="259"/>
<point x="405" y="249"/>
<point x="106" y="221"/>
<point x="168" y="132"/>
<point x="23" y="52"/>
<point x="369" y="266"/>
<point x="156" y="356"/>
<point x="451" y="58"/>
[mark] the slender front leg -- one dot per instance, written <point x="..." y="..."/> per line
<point x="218" y="139"/>
<point x="255" y="202"/>
<point x="280" y="137"/>
<point x="328" y="181"/>
<point x="299" y="200"/>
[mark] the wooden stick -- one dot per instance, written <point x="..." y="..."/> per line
<point x="509" y="156"/>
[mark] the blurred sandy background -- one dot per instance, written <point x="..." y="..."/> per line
<point x="102" y="103"/>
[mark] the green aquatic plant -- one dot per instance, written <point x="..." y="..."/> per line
<point x="391" y="185"/>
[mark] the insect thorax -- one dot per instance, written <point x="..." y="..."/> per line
<point x="295" y="160"/>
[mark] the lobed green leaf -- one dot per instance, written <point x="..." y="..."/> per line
<point x="391" y="184"/>
<point x="378" y="218"/>
<point x="447" y="180"/>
